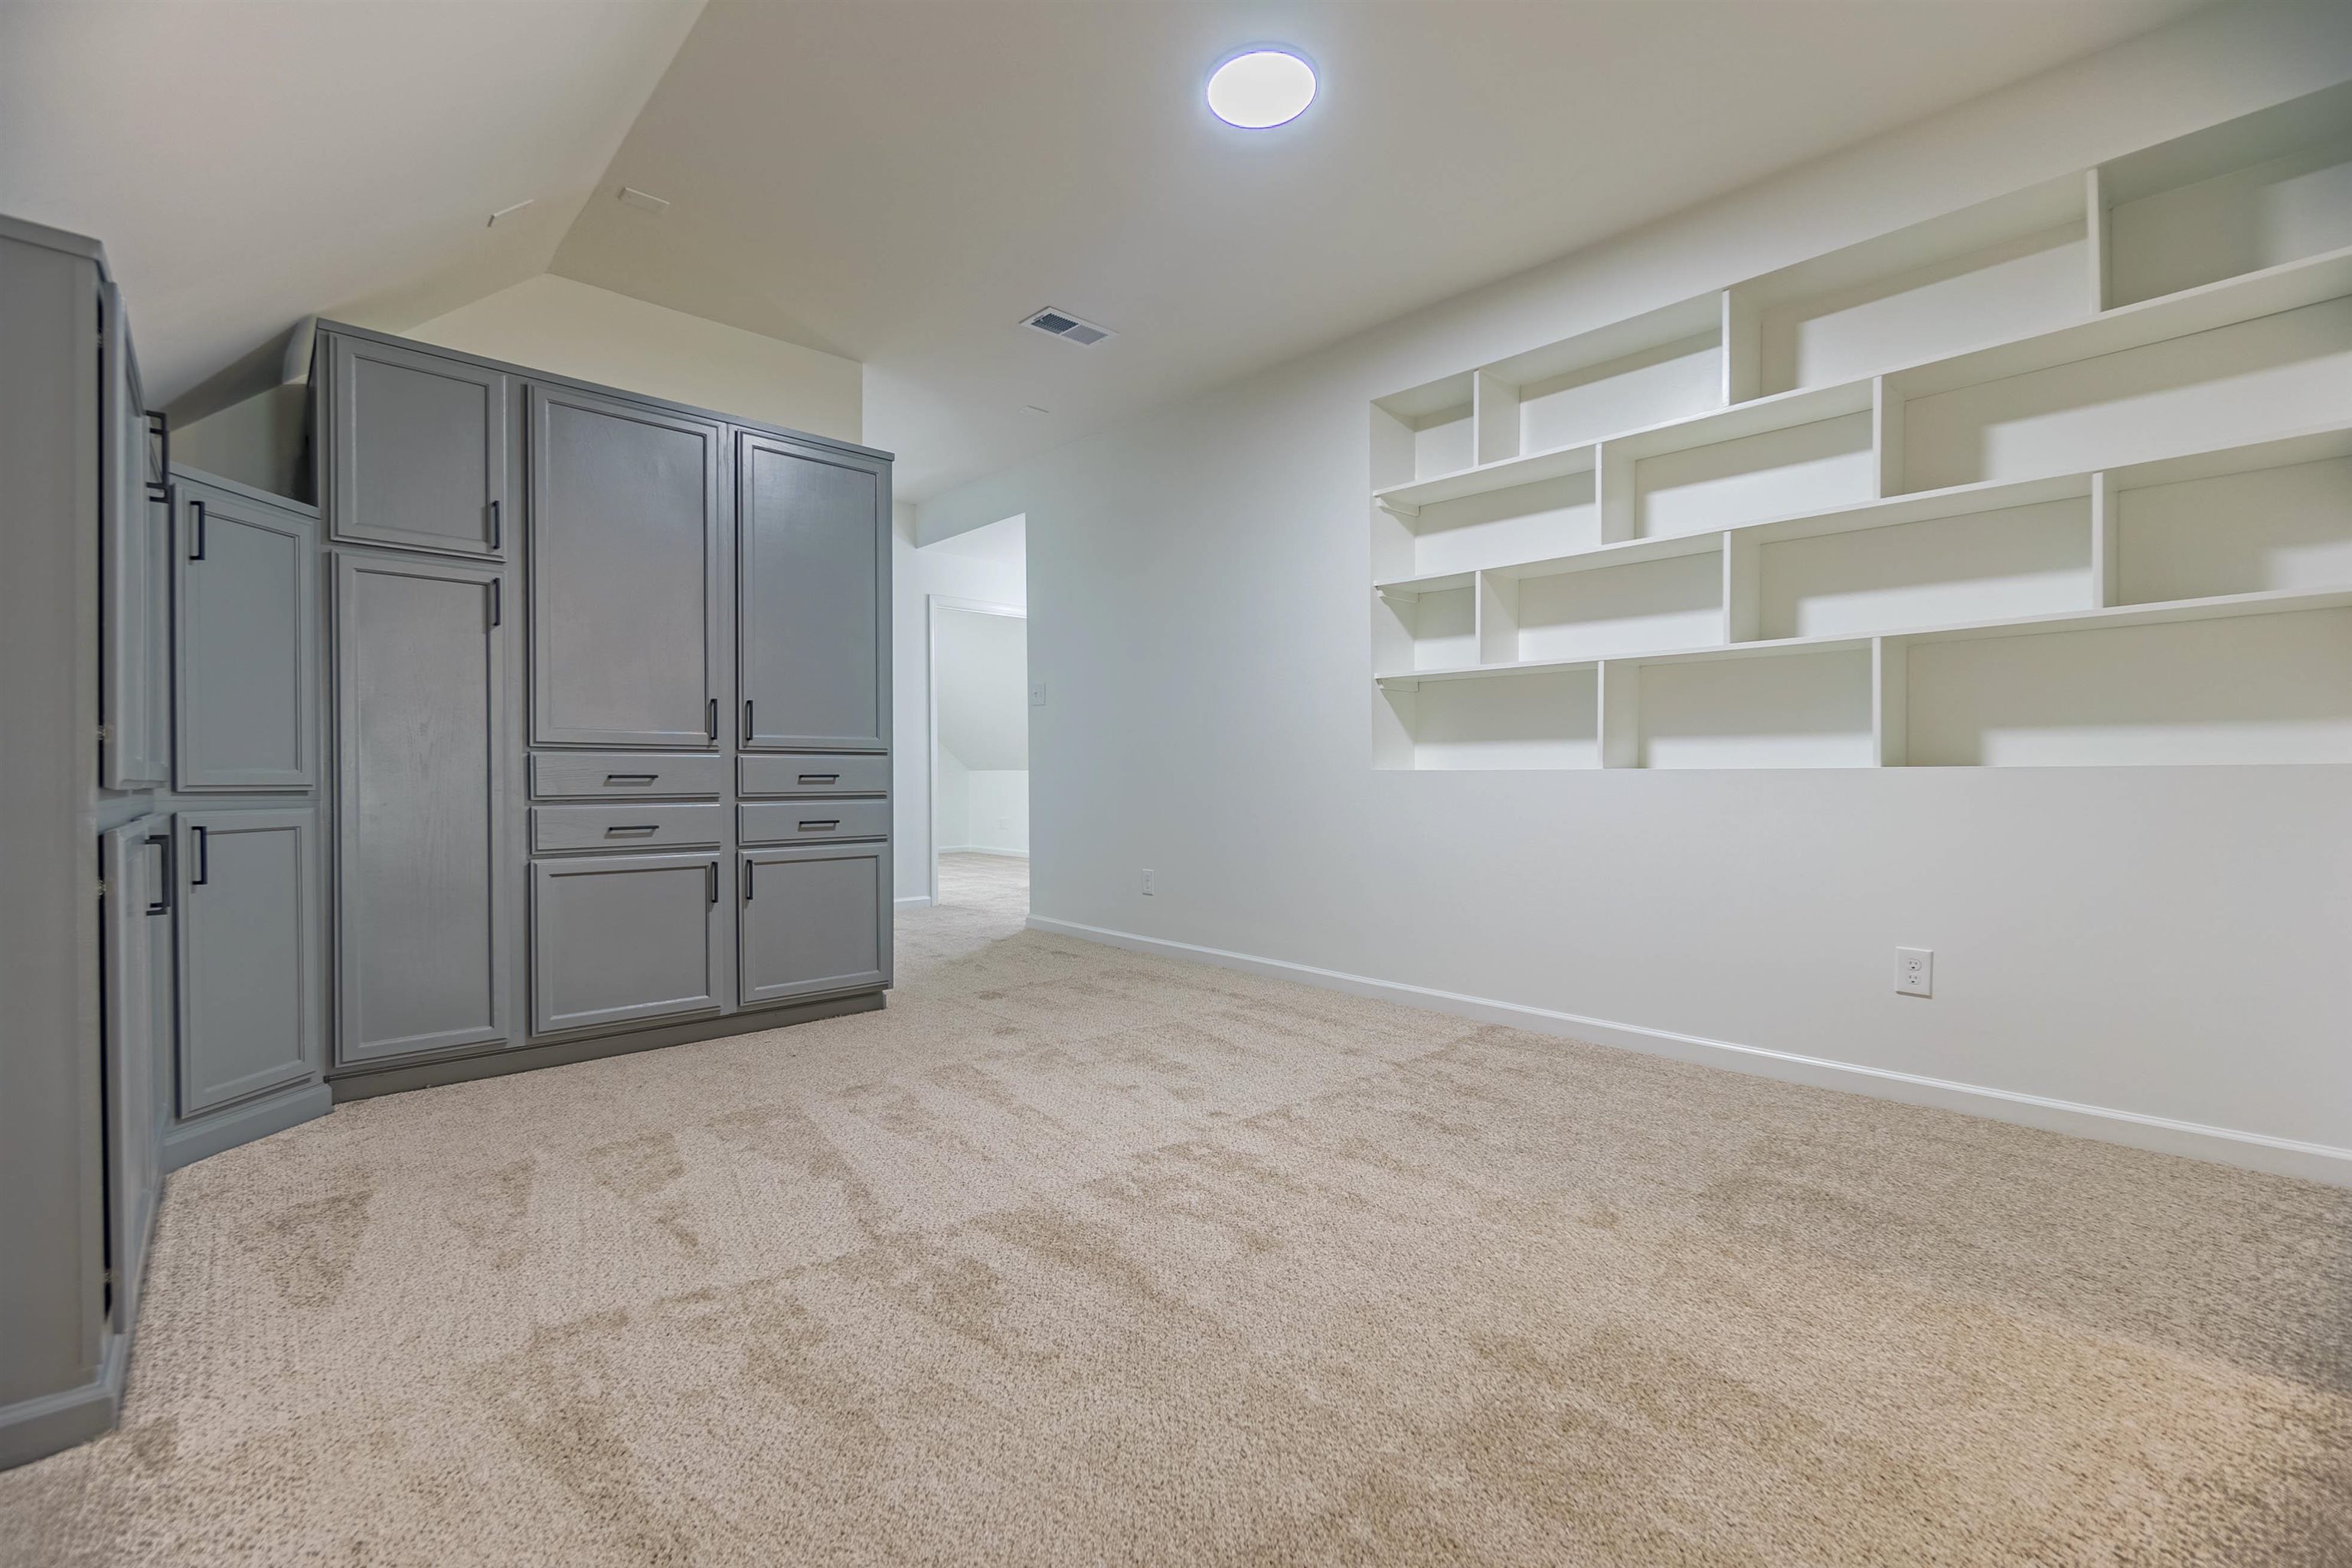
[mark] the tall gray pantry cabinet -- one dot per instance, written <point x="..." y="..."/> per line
<point x="557" y="729"/>
<point x="610" y="703"/>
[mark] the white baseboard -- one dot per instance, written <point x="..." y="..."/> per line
<point x="2224" y="1145"/>
<point x="913" y="901"/>
<point x="983" y="849"/>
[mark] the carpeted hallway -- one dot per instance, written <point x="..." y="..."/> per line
<point x="1076" y="1256"/>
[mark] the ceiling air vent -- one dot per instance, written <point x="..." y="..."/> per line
<point x="1064" y="325"/>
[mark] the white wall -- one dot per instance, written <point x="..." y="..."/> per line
<point x="2164" y="944"/>
<point x="572" y="329"/>
<point x="986" y="563"/>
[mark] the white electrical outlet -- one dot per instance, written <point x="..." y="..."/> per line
<point x="1915" y="970"/>
<point x="1147" y="884"/>
<point x="1036" y="694"/>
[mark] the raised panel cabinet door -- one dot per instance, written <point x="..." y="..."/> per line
<point x="624" y="563"/>
<point x="246" y="641"/>
<point x="421" y="944"/>
<point x="248" y="921"/>
<point x="615" y="940"/>
<point x="133" y="541"/>
<point x="137" y="904"/>
<point x="813" y="597"/>
<point x="417" y="450"/>
<point x="812" y="921"/>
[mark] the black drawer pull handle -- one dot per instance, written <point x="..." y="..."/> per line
<point x="497" y="601"/>
<point x="496" y="531"/>
<point x="161" y="428"/>
<point x="820" y="778"/>
<point x="203" y="872"/>
<point x="711" y="879"/>
<point x="747" y="720"/>
<point x="747" y="881"/>
<point x="163" y="905"/>
<point x="648" y="827"/>
<point x="711" y="727"/>
<point x="630" y="778"/>
<point x="196" y="531"/>
<point x="825" y="826"/>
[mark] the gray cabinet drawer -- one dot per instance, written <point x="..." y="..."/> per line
<point x="610" y="776"/>
<point x="815" y="773"/>
<point x="555" y="828"/>
<point x="813" y="821"/>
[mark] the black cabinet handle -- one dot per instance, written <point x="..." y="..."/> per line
<point x="825" y="826"/>
<point x="648" y="827"/>
<point x="196" y="531"/>
<point x="163" y="906"/>
<point x="747" y="881"/>
<point x="497" y="601"/>
<point x="712" y="879"/>
<point x="711" y="726"/>
<point x="161" y="428"/>
<point x="747" y="720"/>
<point x="630" y="778"/>
<point x="203" y="872"/>
<point x="495" y="531"/>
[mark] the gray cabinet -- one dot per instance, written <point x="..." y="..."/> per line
<point x="626" y="619"/>
<point x="134" y="552"/>
<point x="417" y="449"/>
<point x="619" y="938"/>
<point x="245" y="639"/>
<point x="422" y="954"/>
<point x="813" y="573"/>
<point x="812" y="921"/>
<point x="137" y="957"/>
<point x="248" y="961"/>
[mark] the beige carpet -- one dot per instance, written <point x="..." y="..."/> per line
<point x="1074" y="1257"/>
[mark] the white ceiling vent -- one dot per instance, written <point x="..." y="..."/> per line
<point x="1064" y="325"/>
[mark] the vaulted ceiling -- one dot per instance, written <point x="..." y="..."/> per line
<point x="903" y="181"/>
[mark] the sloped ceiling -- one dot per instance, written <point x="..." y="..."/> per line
<point x="248" y="164"/>
<point x="903" y="182"/>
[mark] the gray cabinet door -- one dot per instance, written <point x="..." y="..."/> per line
<point x="624" y="563"/>
<point x="246" y="643"/>
<point x="138" y="967"/>
<point x="619" y="938"/>
<point x="812" y="583"/>
<point x="812" y="921"/>
<point x="248" y="954"/>
<point x="134" y="550"/>
<point x="422" y="957"/>
<point x="416" y="450"/>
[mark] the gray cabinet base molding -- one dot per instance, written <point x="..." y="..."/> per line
<point x="272" y="1114"/>
<point x="562" y="1053"/>
<point x="31" y="1428"/>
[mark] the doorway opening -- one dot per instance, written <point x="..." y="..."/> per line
<point x="980" y="752"/>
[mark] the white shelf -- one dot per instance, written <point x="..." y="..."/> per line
<point x="2217" y="607"/>
<point x="2056" y="491"/>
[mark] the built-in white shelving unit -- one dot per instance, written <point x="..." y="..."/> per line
<point x="2060" y="479"/>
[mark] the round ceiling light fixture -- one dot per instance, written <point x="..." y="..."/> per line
<point x="1260" y="89"/>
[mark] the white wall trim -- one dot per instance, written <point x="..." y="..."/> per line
<point x="2253" y="1150"/>
<point x="983" y="849"/>
<point x="913" y="901"/>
